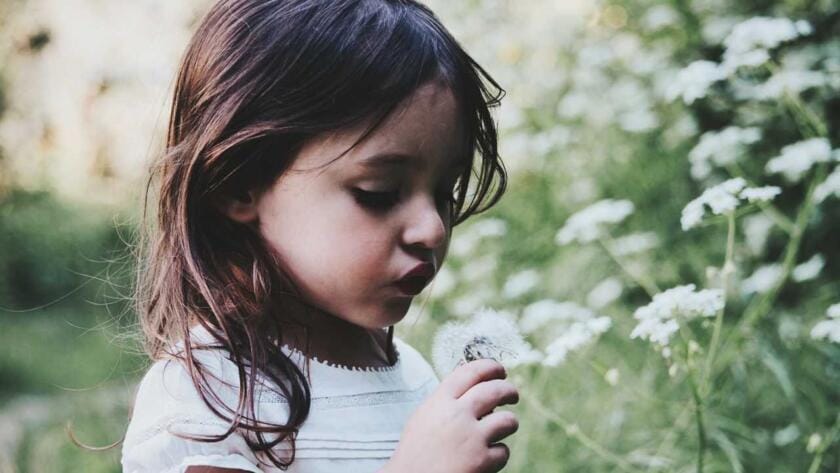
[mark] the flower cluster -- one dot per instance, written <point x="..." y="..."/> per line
<point x="720" y="148"/>
<point x="750" y="40"/>
<point x="659" y="319"/>
<point x="797" y="158"/>
<point x="747" y="45"/>
<point x="830" y="186"/>
<point x="588" y="224"/>
<point x="829" y="328"/>
<point x="575" y="327"/>
<point x="724" y="198"/>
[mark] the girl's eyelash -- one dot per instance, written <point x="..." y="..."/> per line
<point x="376" y="200"/>
<point x="384" y="200"/>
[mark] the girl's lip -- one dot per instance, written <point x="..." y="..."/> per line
<point x="412" y="285"/>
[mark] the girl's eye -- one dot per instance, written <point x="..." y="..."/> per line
<point x="376" y="200"/>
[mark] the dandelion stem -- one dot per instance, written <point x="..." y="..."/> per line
<point x="648" y="285"/>
<point x="574" y="431"/>
<point x="728" y="268"/>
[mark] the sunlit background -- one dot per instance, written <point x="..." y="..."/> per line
<point x="623" y="125"/>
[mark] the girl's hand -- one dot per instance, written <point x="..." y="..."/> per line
<point x="455" y="430"/>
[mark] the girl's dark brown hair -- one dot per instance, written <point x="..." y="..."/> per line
<point x="260" y="78"/>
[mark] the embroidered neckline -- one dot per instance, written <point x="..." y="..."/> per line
<point x="356" y="369"/>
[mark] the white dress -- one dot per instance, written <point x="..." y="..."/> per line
<point x="354" y="423"/>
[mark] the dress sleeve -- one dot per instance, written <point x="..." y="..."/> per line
<point x="168" y="406"/>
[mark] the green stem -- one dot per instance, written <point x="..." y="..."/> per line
<point x="726" y="270"/>
<point x="701" y="428"/>
<point x="818" y="456"/>
<point x="575" y="432"/>
<point x="648" y="285"/>
<point x="759" y="306"/>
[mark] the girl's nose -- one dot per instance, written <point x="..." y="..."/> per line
<point x="425" y="225"/>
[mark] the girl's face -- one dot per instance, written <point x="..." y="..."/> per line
<point x="348" y="231"/>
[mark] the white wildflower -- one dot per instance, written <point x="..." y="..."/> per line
<point x="588" y="224"/>
<point x="809" y="269"/>
<point x="829" y="328"/>
<point x="830" y="186"/>
<point x="538" y="314"/>
<point x="721" y="199"/>
<point x="656" y="331"/>
<point x="465" y="242"/>
<point x="760" y="194"/>
<point x="659" y="16"/>
<point x="604" y="293"/>
<point x="797" y="158"/>
<point x="756" y="230"/>
<point x="611" y="376"/>
<point x="638" y="120"/>
<point x="659" y="319"/>
<point x="521" y="283"/>
<point x="791" y="81"/>
<point x="478" y="268"/>
<point x="720" y="148"/>
<point x="693" y="81"/>
<point x="574" y="337"/>
<point x="488" y="334"/>
<point x="635" y="243"/>
<point x="750" y="40"/>
<point x="814" y="442"/>
<point x="786" y="436"/>
<point x="763" y="279"/>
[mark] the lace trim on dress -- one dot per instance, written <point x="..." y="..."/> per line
<point x="339" y="366"/>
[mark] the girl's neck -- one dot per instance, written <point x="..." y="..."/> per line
<point x="337" y="341"/>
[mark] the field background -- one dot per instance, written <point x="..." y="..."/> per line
<point x="588" y="116"/>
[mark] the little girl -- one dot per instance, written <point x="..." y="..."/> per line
<point x="319" y="153"/>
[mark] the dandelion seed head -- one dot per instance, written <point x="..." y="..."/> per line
<point x="487" y="334"/>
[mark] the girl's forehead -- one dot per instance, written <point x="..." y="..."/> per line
<point x="424" y="130"/>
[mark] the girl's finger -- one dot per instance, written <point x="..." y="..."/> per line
<point x="469" y="374"/>
<point x="482" y="398"/>
<point x="498" y="456"/>
<point x="498" y="425"/>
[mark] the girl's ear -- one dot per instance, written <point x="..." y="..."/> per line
<point x="241" y="207"/>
